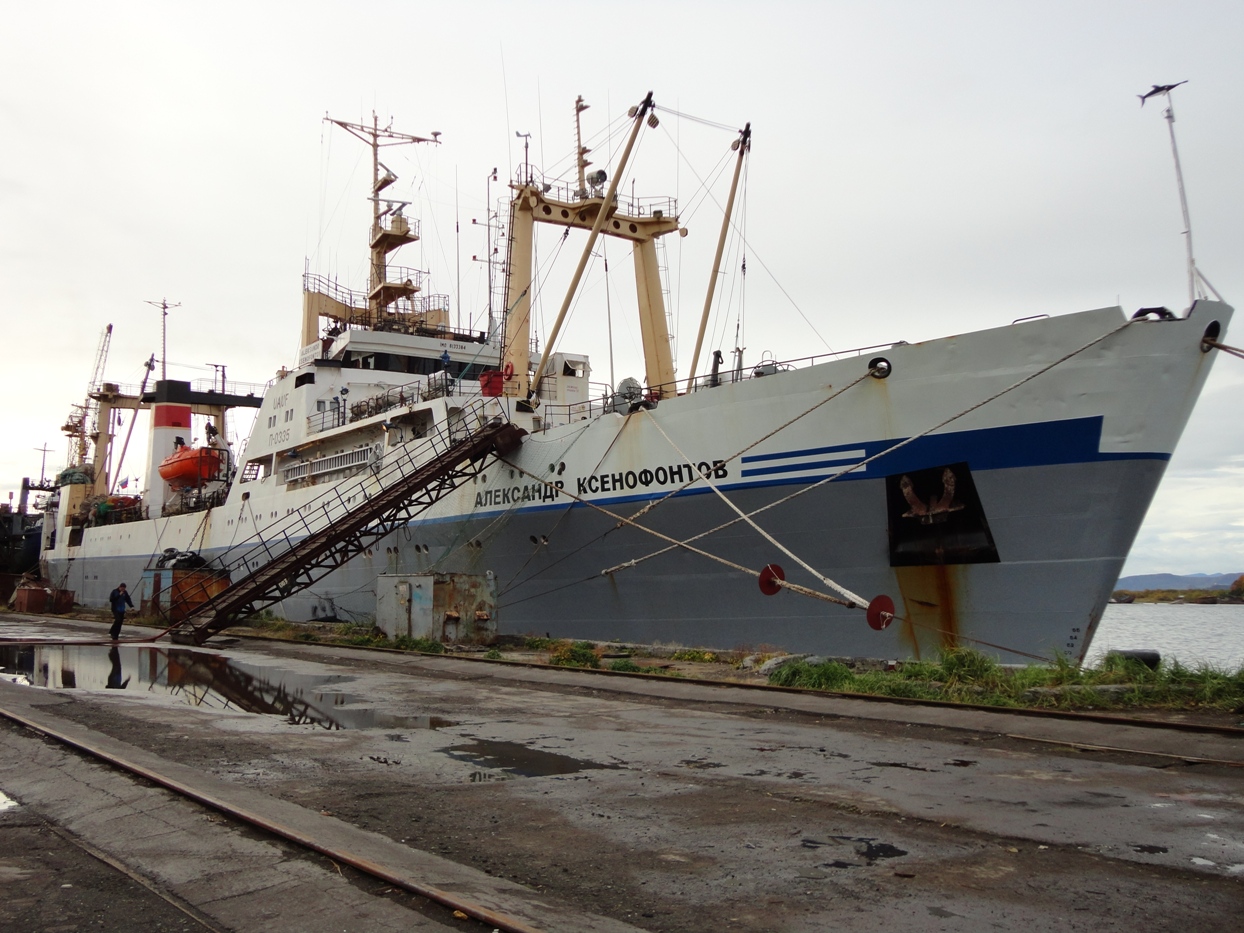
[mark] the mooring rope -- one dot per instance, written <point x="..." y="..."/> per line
<point x="760" y="440"/>
<point x="652" y="505"/>
<point x="675" y="543"/>
<point x="1234" y="351"/>
<point x="856" y="602"/>
<point x="877" y="456"/>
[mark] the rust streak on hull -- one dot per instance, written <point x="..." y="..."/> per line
<point x="930" y="601"/>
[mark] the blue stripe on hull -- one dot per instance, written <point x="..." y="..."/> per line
<point x="1076" y="440"/>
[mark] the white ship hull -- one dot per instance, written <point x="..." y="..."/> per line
<point x="1051" y="482"/>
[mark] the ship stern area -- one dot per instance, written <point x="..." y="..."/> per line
<point x="1004" y="531"/>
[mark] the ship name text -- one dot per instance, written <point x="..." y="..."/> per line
<point x="516" y="495"/>
<point x="660" y="476"/>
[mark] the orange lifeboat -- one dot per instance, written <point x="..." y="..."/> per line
<point x="190" y="466"/>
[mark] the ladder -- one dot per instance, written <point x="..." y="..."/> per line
<point x="299" y="549"/>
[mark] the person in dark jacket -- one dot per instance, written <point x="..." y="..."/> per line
<point x="118" y="599"/>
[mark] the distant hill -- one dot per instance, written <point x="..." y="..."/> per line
<point x="1175" y="581"/>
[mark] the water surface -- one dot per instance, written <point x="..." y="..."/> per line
<point x="1192" y="634"/>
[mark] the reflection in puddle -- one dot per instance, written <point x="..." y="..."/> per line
<point x="203" y="679"/>
<point x="517" y="759"/>
<point x="7" y="802"/>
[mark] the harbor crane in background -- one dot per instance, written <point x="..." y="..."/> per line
<point x="82" y="422"/>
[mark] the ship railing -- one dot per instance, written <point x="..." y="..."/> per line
<point x="349" y="412"/>
<point x="554" y="415"/>
<point x="385" y="468"/>
<point x="195" y="500"/>
<point x="323" y="285"/>
<point x="568" y="193"/>
<point x="397" y="274"/>
<point x="423" y="389"/>
<point x="769" y="366"/>
<point x="420" y="304"/>
<point x="205" y="386"/>
<point x="211" y="386"/>
<point x="399" y="223"/>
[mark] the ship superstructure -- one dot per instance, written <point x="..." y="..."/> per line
<point x="989" y="484"/>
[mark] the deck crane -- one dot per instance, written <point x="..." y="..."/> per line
<point x="82" y="419"/>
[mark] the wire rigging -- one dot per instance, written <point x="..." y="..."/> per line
<point x="889" y="450"/>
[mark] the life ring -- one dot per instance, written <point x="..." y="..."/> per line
<point x="508" y="370"/>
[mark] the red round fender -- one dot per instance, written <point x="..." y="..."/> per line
<point x="769" y="578"/>
<point x="881" y="612"/>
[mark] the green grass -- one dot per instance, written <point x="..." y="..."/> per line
<point x="426" y="645"/>
<point x="574" y="654"/>
<point x="967" y="676"/>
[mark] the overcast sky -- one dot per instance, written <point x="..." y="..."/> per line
<point x="919" y="169"/>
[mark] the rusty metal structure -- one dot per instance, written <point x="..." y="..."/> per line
<point x="313" y="541"/>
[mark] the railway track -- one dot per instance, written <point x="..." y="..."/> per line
<point x="522" y="913"/>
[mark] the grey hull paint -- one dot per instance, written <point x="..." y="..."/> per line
<point x="1062" y="534"/>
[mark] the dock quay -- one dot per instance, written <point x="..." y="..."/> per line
<point x="376" y="790"/>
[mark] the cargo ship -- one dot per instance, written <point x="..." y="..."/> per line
<point x="981" y="489"/>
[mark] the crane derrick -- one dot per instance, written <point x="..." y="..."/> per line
<point x="83" y="419"/>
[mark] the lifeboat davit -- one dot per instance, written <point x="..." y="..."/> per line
<point x="190" y="466"/>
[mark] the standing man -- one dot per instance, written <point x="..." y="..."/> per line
<point x="118" y="599"/>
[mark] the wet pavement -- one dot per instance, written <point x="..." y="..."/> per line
<point x="674" y="810"/>
<point x="201" y="678"/>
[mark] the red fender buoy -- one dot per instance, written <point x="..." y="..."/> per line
<point x="769" y="577"/>
<point x="508" y="371"/>
<point x="881" y="612"/>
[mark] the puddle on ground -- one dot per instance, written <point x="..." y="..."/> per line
<point x="204" y="679"/>
<point x="7" y="802"/>
<point x="520" y="760"/>
<point x="866" y="847"/>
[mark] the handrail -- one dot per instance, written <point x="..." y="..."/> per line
<point x="591" y="408"/>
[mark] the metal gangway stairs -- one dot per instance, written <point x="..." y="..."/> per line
<point x="297" y="550"/>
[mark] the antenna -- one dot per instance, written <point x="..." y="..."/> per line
<point x="1194" y="274"/>
<point x="526" y="138"/>
<point x="218" y="368"/>
<point x="163" y="305"/>
<point x="45" y="450"/>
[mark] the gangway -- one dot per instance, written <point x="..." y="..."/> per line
<point x="303" y="547"/>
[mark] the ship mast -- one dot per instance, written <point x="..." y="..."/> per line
<point x="742" y="145"/>
<point x="1195" y="277"/>
<point x="384" y="238"/>
<point x="581" y="158"/>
